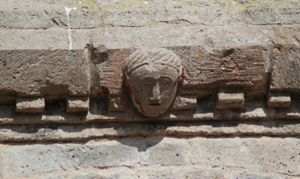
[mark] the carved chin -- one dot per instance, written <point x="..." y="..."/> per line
<point x="151" y="110"/>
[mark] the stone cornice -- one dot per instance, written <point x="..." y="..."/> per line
<point x="80" y="86"/>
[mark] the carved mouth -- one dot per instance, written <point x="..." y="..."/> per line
<point x="154" y="104"/>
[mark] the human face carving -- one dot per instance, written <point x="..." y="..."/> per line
<point x="153" y="88"/>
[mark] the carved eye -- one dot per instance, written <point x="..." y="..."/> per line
<point x="165" y="81"/>
<point x="149" y="81"/>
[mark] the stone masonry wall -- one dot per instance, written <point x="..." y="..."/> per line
<point x="230" y="149"/>
<point x="155" y="157"/>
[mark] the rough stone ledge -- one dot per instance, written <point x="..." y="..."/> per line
<point x="80" y="133"/>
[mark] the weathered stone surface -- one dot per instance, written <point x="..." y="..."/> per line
<point x="268" y="157"/>
<point x="234" y="129"/>
<point x="2" y="166"/>
<point x="80" y="132"/>
<point x="167" y="152"/>
<point x="279" y="100"/>
<point x="77" y="104"/>
<point x="208" y="37"/>
<point x="230" y="100"/>
<point x="43" y="72"/>
<point x="108" y="67"/>
<point x="236" y="67"/>
<point x="184" y="103"/>
<point x="58" y="156"/>
<point x="277" y="155"/>
<point x="285" y="69"/>
<point x="117" y="104"/>
<point x="164" y="172"/>
<point x="119" y="13"/>
<point x="30" y="105"/>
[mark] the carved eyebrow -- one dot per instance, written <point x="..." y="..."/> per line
<point x="165" y="76"/>
<point x="169" y="76"/>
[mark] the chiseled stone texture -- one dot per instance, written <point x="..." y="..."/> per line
<point x="93" y="13"/>
<point x="36" y="73"/>
<point x="152" y="23"/>
<point x="156" y="157"/>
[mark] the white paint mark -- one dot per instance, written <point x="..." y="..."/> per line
<point x="68" y="11"/>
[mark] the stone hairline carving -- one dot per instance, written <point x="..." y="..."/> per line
<point x="152" y="76"/>
<point x="154" y="57"/>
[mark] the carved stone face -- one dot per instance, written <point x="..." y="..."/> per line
<point x="152" y="76"/>
<point x="153" y="88"/>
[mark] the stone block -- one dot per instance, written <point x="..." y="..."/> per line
<point x="117" y="104"/>
<point x="279" y="155"/>
<point x="237" y="68"/>
<point x="184" y="103"/>
<point x="77" y="104"/>
<point x="105" y="154"/>
<point x="279" y="100"/>
<point x="285" y="69"/>
<point x="113" y="37"/>
<point x="42" y="73"/>
<point x="168" y="151"/>
<point x="30" y="105"/>
<point x="55" y="157"/>
<point x="230" y="100"/>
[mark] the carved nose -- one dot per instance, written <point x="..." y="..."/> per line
<point x="155" y="98"/>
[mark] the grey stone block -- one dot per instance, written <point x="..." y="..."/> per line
<point x="30" y="105"/>
<point x="77" y="104"/>
<point x="208" y="37"/>
<point x="153" y="157"/>
<point x="254" y="175"/>
<point x="269" y="154"/>
<point x="34" y="159"/>
<point x="166" y="152"/>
